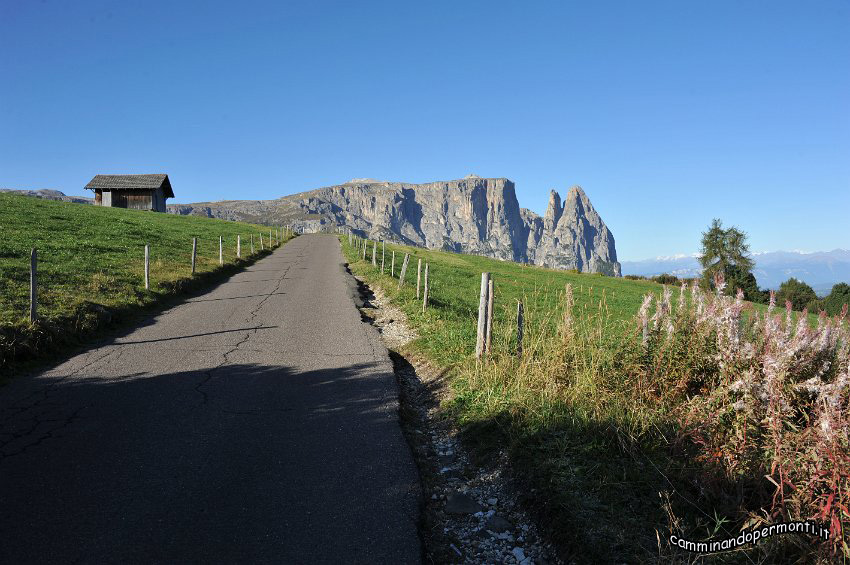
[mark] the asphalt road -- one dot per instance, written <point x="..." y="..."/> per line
<point x="255" y="423"/>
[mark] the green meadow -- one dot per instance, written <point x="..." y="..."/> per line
<point x="91" y="264"/>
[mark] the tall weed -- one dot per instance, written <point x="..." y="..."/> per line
<point x="751" y="407"/>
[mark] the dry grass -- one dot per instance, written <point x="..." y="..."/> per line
<point x="625" y="416"/>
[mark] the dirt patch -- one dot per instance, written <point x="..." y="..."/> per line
<point x="471" y="510"/>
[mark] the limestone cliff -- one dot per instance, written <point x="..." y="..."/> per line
<point x="471" y="215"/>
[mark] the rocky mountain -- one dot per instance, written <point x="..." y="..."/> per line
<point x="48" y="194"/>
<point x="820" y="270"/>
<point x="472" y="215"/>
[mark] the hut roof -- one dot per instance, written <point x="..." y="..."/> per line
<point x="131" y="182"/>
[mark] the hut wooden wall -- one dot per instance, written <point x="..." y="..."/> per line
<point x="135" y="200"/>
<point x="158" y="200"/>
<point x="132" y="199"/>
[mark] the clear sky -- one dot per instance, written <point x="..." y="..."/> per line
<point x="667" y="113"/>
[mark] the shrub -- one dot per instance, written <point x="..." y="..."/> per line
<point x="798" y="293"/>
<point x="835" y="300"/>
<point x="738" y="278"/>
<point x="666" y="279"/>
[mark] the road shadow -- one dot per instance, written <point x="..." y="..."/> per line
<point x="243" y="462"/>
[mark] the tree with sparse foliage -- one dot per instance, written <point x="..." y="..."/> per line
<point x="725" y="251"/>
<point x="797" y="292"/>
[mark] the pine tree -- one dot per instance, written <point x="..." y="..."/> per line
<point x="725" y="251"/>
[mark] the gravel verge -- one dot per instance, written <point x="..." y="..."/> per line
<point x="471" y="511"/>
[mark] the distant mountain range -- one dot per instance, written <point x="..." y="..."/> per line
<point x="820" y="270"/>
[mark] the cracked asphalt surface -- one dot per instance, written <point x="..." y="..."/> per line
<point x="255" y="423"/>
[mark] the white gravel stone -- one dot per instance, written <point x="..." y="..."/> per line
<point x="466" y="535"/>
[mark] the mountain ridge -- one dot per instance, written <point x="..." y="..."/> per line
<point x="474" y="215"/>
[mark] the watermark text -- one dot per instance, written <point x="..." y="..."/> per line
<point x="752" y="535"/>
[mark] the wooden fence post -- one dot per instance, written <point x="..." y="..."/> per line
<point x="392" y="266"/>
<point x="262" y="247"/>
<point x="252" y="244"/>
<point x="147" y="266"/>
<point x="383" y="254"/>
<point x="489" y="315"/>
<point x="403" y="269"/>
<point x="425" y="290"/>
<point x="350" y="243"/>
<point x="33" y="285"/>
<point x="365" y="245"/>
<point x="418" y="277"/>
<point x="238" y="246"/>
<point x="519" y="327"/>
<point x="194" y="253"/>
<point x="482" y="315"/>
<point x="271" y="245"/>
<point x="374" y="253"/>
<point x="220" y="250"/>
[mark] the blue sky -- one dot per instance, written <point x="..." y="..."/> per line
<point x="667" y="113"/>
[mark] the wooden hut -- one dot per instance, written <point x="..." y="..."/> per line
<point x="137" y="192"/>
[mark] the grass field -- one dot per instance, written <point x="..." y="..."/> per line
<point x="91" y="261"/>
<point x="593" y="422"/>
<point x="558" y="457"/>
<point x="449" y="336"/>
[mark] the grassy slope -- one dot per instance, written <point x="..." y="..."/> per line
<point x="597" y="468"/>
<point x="92" y="255"/>
<point x="449" y="335"/>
